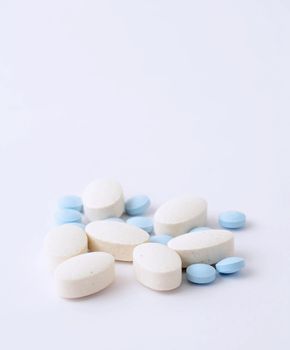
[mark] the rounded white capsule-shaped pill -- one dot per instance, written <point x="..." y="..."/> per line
<point x="103" y="199"/>
<point x="116" y="238"/>
<point x="63" y="242"/>
<point x="157" y="266"/>
<point x="207" y="247"/>
<point x="84" y="274"/>
<point x="179" y="215"/>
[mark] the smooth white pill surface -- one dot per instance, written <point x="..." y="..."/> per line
<point x="63" y="242"/>
<point x="116" y="238"/>
<point x="179" y="215"/>
<point x="206" y="247"/>
<point x="84" y="274"/>
<point x="103" y="199"/>
<point x="157" y="266"/>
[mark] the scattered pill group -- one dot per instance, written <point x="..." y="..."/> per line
<point x="82" y="256"/>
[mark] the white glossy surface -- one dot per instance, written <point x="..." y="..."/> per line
<point x="84" y="275"/>
<point x="157" y="266"/>
<point x="179" y="215"/>
<point x="103" y="199"/>
<point x="206" y="247"/>
<point x="116" y="238"/>
<point x="63" y="242"/>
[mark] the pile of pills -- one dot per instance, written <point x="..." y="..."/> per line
<point x="82" y="257"/>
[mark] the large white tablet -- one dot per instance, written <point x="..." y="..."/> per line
<point x="206" y="247"/>
<point x="103" y="199"/>
<point x="179" y="215"/>
<point x="116" y="238"/>
<point x="157" y="266"/>
<point x="84" y="274"/>
<point x="63" y="242"/>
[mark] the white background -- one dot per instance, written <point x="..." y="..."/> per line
<point x="168" y="97"/>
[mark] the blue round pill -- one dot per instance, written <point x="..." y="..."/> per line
<point x="200" y="229"/>
<point x="142" y="222"/>
<point x="230" y="265"/>
<point x="137" y="205"/>
<point x="163" y="239"/>
<point x="232" y="219"/>
<point x="66" y="216"/>
<point x="200" y="273"/>
<point x="70" y="202"/>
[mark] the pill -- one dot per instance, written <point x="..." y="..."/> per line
<point x="142" y="222"/>
<point x="64" y="216"/>
<point x="163" y="239"/>
<point x="199" y="229"/>
<point x="230" y="265"/>
<point x="137" y="205"/>
<point x="200" y="273"/>
<point x="84" y="275"/>
<point x="206" y="247"/>
<point x="114" y="219"/>
<point x="116" y="238"/>
<point x="63" y="242"/>
<point x="232" y="219"/>
<point x="179" y="215"/>
<point x="70" y="202"/>
<point x="157" y="267"/>
<point x="103" y="199"/>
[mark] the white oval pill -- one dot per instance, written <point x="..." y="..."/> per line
<point x="84" y="274"/>
<point x="206" y="247"/>
<point x="64" y="241"/>
<point x="179" y="215"/>
<point x="116" y="238"/>
<point x="157" y="266"/>
<point x="103" y="199"/>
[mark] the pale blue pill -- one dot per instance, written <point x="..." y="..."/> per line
<point x="137" y="205"/>
<point x="66" y="216"/>
<point x="70" y="202"/>
<point x="200" y="273"/>
<point x="142" y="222"/>
<point x="163" y="239"/>
<point x="114" y="219"/>
<point x="199" y="229"/>
<point x="230" y="265"/>
<point x="232" y="219"/>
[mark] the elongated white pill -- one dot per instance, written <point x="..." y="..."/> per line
<point x="84" y="274"/>
<point x="116" y="238"/>
<point x="103" y="199"/>
<point x="179" y="215"/>
<point x="63" y="242"/>
<point x="206" y="247"/>
<point x="157" y="266"/>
